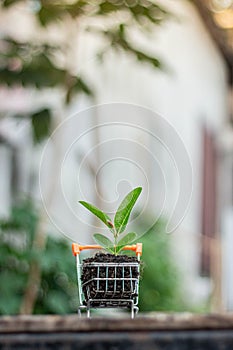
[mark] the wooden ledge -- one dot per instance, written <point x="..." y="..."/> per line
<point x="144" y="322"/>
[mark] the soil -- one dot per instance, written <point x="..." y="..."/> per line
<point x="109" y="282"/>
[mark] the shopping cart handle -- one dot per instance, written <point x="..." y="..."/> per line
<point x="77" y="248"/>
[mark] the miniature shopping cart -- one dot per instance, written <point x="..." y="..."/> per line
<point x="112" y="284"/>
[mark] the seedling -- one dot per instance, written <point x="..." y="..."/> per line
<point x="118" y="226"/>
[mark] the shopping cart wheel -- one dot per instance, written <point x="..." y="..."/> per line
<point x="136" y="309"/>
<point x="133" y="309"/>
<point x="80" y="308"/>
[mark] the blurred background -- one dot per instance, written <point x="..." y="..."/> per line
<point x="80" y="82"/>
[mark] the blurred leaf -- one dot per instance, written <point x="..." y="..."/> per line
<point x="48" y="14"/>
<point x="57" y="302"/>
<point x="39" y="72"/>
<point x="9" y="304"/>
<point x="81" y="86"/>
<point x="141" y="10"/>
<point x="55" y="295"/>
<point x="7" y="3"/>
<point x="106" y="7"/>
<point x="41" y="123"/>
<point x="152" y="12"/>
<point x="77" y="85"/>
<point x="78" y="8"/>
<point x="160" y="285"/>
<point x="36" y="68"/>
<point x="33" y="65"/>
<point x="10" y="281"/>
<point x="23" y="218"/>
<point x="119" y="41"/>
<point x="52" y="12"/>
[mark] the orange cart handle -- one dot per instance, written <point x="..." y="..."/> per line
<point x="77" y="248"/>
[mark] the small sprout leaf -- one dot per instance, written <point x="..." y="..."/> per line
<point x="99" y="213"/>
<point x="127" y="239"/>
<point x="123" y="212"/>
<point x="104" y="241"/>
<point x="120" y="221"/>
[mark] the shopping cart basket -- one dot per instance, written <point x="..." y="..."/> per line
<point x="114" y="285"/>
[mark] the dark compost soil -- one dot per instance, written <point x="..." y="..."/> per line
<point x="111" y="281"/>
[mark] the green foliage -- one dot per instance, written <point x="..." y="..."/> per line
<point x="160" y="279"/>
<point x="58" y="289"/>
<point x="41" y="122"/>
<point x="120" y="221"/>
<point x="33" y="65"/>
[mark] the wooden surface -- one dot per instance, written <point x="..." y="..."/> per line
<point x="147" y="332"/>
<point x="147" y="322"/>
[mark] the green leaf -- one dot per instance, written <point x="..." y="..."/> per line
<point x="127" y="239"/>
<point x="7" y="3"/>
<point x="82" y="86"/>
<point x="47" y="15"/>
<point x="99" y="213"/>
<point x="123" y="212"/>
<point x="78" y="85"/>
<point x="104" y="242"/>
<point x="41" y="123"/>
<point x="107" y="7"/>
<point x="119" y="40"/>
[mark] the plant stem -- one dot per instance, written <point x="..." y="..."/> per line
<point x="115" y="241"/>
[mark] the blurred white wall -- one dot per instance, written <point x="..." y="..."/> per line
<point x="5" y="190"/>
